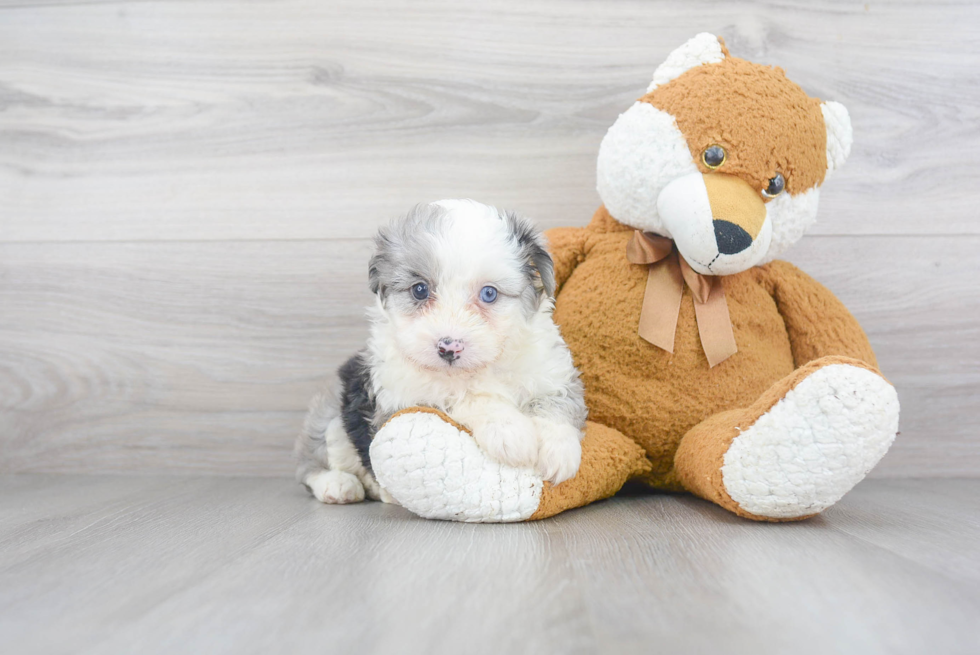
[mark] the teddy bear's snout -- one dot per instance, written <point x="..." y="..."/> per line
<point x="718" y="222"/>
<point x="737" y="209"/>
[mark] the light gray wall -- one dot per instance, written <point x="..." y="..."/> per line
<point x="187" y="190"/>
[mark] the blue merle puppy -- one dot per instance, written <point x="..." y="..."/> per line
<point x="461" y="322"/>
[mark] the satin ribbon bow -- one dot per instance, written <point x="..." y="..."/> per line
<point x="666" y="276"/>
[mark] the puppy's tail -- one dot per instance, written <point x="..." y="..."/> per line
<point x="311" y="444"/>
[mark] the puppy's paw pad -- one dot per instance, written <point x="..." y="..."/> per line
<point x="336" y="487"/>
<point x="560" y="454"/>
<point x="509" y="440"/>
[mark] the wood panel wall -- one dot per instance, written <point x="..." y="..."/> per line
<point x="187" y="191"/>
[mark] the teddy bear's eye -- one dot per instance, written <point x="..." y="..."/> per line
<point x="713" y="156"/>
<point x="776" y="186"/>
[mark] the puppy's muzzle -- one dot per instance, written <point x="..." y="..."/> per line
<point x="449" y="349"/>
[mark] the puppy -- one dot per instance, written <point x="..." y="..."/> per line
<point x="462" y="322"/>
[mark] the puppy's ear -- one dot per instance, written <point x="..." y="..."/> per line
<point x="380" y="262"/>
<point x="374" y="280"/>
<point x="534" y="252"/>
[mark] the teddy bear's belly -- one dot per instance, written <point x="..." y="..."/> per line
<point x="651" y="395"/>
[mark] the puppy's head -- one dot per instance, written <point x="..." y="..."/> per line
<point x="458" y="280"/>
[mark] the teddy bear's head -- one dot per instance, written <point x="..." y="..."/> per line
<point x="724" y="156"/>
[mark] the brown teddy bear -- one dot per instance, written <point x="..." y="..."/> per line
<point x="708" y="366"/>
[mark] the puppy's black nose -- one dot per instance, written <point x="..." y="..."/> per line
<point x="450" y="348"/>
<point x="731" y="238"/>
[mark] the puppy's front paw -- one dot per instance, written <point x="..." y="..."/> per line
<point x="509" y="438"/>
<point x="560" y="453"/>
<point x="335" y="487"/>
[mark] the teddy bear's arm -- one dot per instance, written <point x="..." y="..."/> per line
<point x="567" y="247"/>
<point x="818" y="323"/>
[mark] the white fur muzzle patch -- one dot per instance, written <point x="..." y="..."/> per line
<point x="438" y="472"/>
<point x="814" y="445"/>
<point x="640" y="155"/>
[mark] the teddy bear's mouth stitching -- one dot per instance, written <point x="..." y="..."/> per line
<point x="708" y="265"/>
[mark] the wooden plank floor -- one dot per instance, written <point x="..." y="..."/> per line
<point x="92" y="564"/>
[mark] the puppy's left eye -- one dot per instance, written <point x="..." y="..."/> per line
<point x="420" y="291"/>
<point x="776" y="186"/>
<point x="488" y="294"/>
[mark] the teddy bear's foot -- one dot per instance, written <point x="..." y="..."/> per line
<point x="814" y="445"/>
<point x="433" y="467"/>
<point x="794" y="455"/>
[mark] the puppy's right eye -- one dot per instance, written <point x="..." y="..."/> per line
<point x="420" y="291"/>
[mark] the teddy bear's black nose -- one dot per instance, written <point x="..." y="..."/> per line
<point x="731" y="238"/>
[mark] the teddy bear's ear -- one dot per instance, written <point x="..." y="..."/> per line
<point x="703" y="49"/>
<point x="839" y="134"/>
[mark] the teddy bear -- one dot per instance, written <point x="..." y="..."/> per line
<point x="710" y="367"/>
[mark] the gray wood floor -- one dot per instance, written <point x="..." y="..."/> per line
<point x="252" y="565"/>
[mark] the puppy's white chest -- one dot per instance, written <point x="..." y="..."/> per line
<point x="398" y="389"/>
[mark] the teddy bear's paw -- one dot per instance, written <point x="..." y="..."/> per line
<point x="813" y="445"/>
<point x="335" y="487"/>
<point x="560" y="451"/>
<point x="435" y="469"/>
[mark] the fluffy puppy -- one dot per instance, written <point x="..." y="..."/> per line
<point x="461" y="322"/>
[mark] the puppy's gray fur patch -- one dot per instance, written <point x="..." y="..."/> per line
<point x="403" y="251"/>
<point x="538" y="265"/>
<point x="311" y="444"/>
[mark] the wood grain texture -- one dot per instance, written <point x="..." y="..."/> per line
<point x="170" y="357"/>
<point x="165" y="565"/>
<point x="210" y="120"/>
<point x="186" y="192"/>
